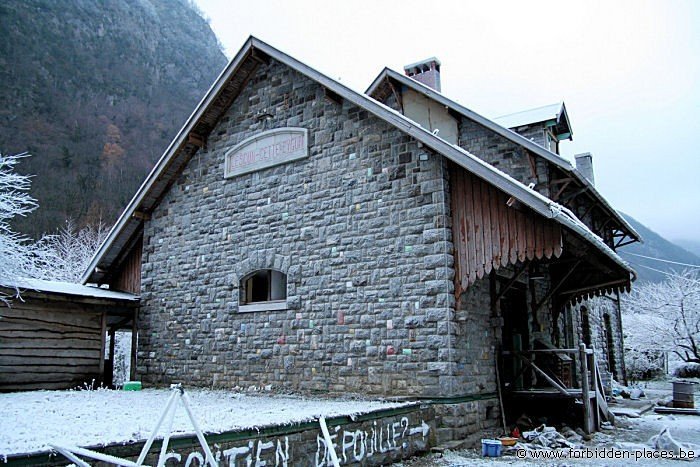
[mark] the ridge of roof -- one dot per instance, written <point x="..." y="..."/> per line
<point x="555" y="106"/>
<point x="481" y="169"/>
<point x="503" y="131"/>
<point x="539" y="114"/>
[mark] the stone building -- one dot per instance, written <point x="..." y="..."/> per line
<point x="300" y="235"/>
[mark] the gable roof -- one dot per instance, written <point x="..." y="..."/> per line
<point x="221" y="94"/>
<point x="510" y="135"/>
<point x="553" y="114"/>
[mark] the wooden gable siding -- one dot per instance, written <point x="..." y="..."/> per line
<point x="45" y="346"/>
<point x="128" y="276"/>
<point x="488" y="234"/>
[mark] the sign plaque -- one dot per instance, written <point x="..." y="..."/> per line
<point x="267" y="149"/>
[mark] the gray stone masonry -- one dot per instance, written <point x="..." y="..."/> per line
<point x="503" y="154"/>
<point x="535" y="133"/>
<point x="361" y="229"/>
<point x="598" y="308"/>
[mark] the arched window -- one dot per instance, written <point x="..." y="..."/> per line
<point x="263" y="290"/>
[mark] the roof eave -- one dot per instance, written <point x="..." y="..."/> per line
<point x="505" y="132"/>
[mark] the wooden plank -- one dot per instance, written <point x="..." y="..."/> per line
<point x="522" y="236"/>
<point x="46" y="369"/>
<point x="496" y="251"/>
<point x="539" y="225"/>
<point x="46" y="378"/>
<point x="49" y="352"/>
<point x="547" y="378"/>
<point x="587" y="421"/>
<point x="471" y="236"/>
<point x="14" y="324"/>
<point x="548" y="240"/>
<point x="52" y="344"/>
<point x="23" y="335"/>
<point x="486" y="216"/>
<point x="513" y="235"/>
<point x="103" y="336"/>
<point x="48" y="361"/>
<point x="46" y="315"/>
<point x="530" y="224"/>
<point x="505" y="229"/>
<point x="478" y="228"/>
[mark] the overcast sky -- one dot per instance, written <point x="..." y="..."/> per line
<point x="629" y="73"/>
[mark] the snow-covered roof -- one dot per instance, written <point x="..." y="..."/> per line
<point x="536" y="115"/>
<point x="496" y="127"/>
<point x="158" y="180"/>
<point x="65" y="288"/>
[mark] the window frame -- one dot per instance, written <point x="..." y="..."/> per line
<point x="267" y="305"/>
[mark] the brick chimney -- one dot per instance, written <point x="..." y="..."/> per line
<point x="584" y="164"/>
<point x="426" y="72"/>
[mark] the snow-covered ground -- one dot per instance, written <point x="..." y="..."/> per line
<point x="29" y="421"/>
<point x="629" y="434"/>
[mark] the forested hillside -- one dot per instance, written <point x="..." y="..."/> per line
<point x="655" y="246"/>
<point x="95" y="90"/>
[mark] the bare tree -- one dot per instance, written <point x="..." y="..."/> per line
<point x="71" y="250"/>
<point x="19" y="255"/>
<point x="668" y="315"/>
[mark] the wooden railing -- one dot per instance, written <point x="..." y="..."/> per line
<point x="558" y="373"/>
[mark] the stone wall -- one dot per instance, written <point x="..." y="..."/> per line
<point x="603" y="333"/>
<point x="360" y="227"/>
<point x="503" y="154"/>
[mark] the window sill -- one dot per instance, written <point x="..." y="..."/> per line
<point x="263" y="306"/>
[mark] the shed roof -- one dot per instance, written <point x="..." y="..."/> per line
<point x="514" y="137"/>
<point x="66" y="288"/>
<point x="224" y="90"/>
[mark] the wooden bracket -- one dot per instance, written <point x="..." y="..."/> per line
<point x="333" y="96"/>
<point x="554" y="289"/>
<point x="260" y="57"/>
<point x="533" y="164"/>
<point x="512" y="281"/>
<point x="397" y="96"/>
<point x="195" y="139"/>
<point x="144" y="216"/>
<point x="573" y="195"/>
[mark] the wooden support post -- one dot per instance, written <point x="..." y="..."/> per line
<point x="103" y="342"/>
<point x="585" y="390"/>
<point x="134" y="343"/>
<point x="109" y="379"/>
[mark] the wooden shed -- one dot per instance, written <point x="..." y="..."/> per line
<point x="53" y="336"/>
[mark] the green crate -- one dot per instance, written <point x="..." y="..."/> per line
<point x="132" y="386"/>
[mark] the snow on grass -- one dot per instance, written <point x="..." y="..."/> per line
<point x="32" y="420"/>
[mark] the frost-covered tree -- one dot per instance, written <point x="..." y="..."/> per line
<point x="71" y="250"/>
<point x="19" y="256"/>
<point x="667" y="316"/>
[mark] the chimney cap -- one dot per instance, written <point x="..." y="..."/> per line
<point x="423" y="64"/>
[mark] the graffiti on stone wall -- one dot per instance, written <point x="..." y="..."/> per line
<point x="254" y="452"/>
<point x="358" y="445"/>
<point x="350" y="445"/>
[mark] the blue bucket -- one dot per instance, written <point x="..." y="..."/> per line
<point x="491" y="448"/>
